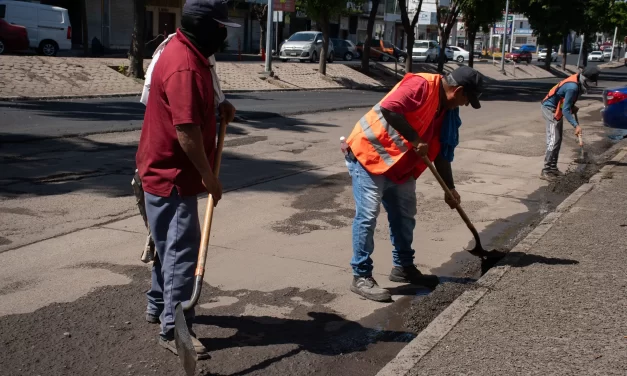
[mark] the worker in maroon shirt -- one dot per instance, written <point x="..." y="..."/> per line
<point x="174" y="158"/>
<point x="418" y="117"/>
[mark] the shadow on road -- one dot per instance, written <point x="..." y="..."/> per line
<point x="104" y="110"/>
<point x="52" y="166"/>
<point x="311" y="335"/>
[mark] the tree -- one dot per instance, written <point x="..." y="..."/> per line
<point x="409" y="28"/>
<point x="447" y="18"/>
<point x="365" y="55"/>
<point x="260" y="13"/>
<point x="479" y="15"/>
<point x="136" y="55"/>
<point x="322" y="11"/>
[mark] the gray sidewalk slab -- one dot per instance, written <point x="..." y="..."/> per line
<point x="559" y="309"/>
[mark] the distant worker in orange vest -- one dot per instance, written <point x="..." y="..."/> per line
<point x="557" y="105"/>
<point x="418" y="117"/>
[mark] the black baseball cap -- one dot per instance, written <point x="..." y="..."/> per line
<point x="471" y="81"/>
<point x="216" y="9"/>
<point x="591" y="73"/>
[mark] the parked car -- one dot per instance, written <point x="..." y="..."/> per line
<point x="596" y="56"/>
<point x="607" y="52"/>
<point x="12" y="37"/>
<point x="48" y="27"/>
<point x="425" y="51"/>
<point x="379" y="49"/>
<point x="449" y="53"/>
<point x="344" y="49"/>
<point x="400" y="55"/>
<point x="614" y="110"/>
<point x="528" y="48"/>
<point x="305" y="46"/>
<point x="517" y="56"/>
<point x="460" y="55"/>
<point x="543" y="52"/>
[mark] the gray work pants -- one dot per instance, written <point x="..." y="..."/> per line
<point x="554" y="130"/>
<point x="176" y="231"/>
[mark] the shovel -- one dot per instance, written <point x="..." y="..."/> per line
<point x="184" y="346"/>
<point x="478" y="251"/>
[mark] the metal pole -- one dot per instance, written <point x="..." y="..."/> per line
<point x="511" y="43"/>
<point x="269" y="39"/>
<point x="614" y="44"/>
<point x="583" y="37"/>
<point x="503" y="38"/>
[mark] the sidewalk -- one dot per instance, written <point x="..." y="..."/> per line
<point x="554" y="306"/>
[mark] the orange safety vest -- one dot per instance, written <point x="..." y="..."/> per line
<point x="558" y="111"/>
<point x="378" y="146"/>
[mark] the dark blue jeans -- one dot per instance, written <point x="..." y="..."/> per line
<point x="176" y="232"/>
<point x="399" y="201"/>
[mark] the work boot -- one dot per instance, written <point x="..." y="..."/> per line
<point x="411" y="274"/>
<point x="548" y="176"/>
<point x="369" y="289"/>
<point x="557" y="173"/>
<point x="170" y="344"/>
<point x="153" y="319"/>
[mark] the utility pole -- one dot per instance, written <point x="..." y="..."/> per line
<point x="583" y="37"/>
<point x="614" y="44"/>
<point x="511" y="43"/>
<point x="503" y="38"/>
<point x="269" y="39"/>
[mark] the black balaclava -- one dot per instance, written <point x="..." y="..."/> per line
<point x="204" y="32"/>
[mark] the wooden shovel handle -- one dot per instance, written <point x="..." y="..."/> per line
<point x="461" y="211"/>
<point x="206" y="227"/>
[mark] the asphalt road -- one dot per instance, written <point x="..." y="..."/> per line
<point x="21" y="121"/>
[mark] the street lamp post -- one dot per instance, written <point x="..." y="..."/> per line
<point x="269" y="39"/>
<point x="614" y="44"/>
<point x="503" y="38"/>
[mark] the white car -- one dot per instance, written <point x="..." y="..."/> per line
<point x="459" y="54"/>
<point x="425" y="51"/>
<point x="543" y="52"/>
<point x="49" y="29"/>
<point x="596" y="56"/>
<point x="607" y="53"/>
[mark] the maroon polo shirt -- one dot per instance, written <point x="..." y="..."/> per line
<point x="181" y="92"/>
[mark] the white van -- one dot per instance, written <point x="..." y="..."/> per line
<point x="48" y="27"/>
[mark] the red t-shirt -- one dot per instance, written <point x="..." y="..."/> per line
<point x="408" y="97"/>
<point x="181" y="92"/>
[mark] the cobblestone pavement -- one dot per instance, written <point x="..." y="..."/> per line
<point x="23" y="77"/>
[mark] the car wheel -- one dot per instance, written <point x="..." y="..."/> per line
<point x="460" y="59"/>
<point x="330" y="59"/>
<point x="314" y="57"/>
<point x="1" y="47"/>
<point x="385" y="58"/>
<point x="401" y="59"/>
<point x="428" y="59"/>
<point x="348" y="56"/>
<point x="49" y="48"/>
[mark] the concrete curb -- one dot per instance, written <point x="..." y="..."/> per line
<point x="426" y="340"/>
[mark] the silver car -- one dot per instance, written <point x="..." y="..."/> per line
<point x="305" y="45"/>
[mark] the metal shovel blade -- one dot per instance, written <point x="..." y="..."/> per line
<point x="184" y="346"/>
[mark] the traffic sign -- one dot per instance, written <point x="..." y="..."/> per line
<point x="284" y="5"/>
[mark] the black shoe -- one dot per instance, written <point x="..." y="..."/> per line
<point x="411" y="274"/>
<point x="170" y="344"/>
<point x="369" y="289"/>
<point x="152" y="318"/>
<point x="548" y="176"/>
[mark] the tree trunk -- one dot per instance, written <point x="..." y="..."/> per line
<point x="365" y="56"/>
<point x="136" y="67"/>
<point x="472" y="35"/>
<point x="262" y="41"/>
<point x="324" y="25"/>
<point x="549" y="52"/>
<point x="410" y="46"/>
<point x="564" y="52"/>
<point x="84" y="27"/>
<point x="444" y="34"/>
